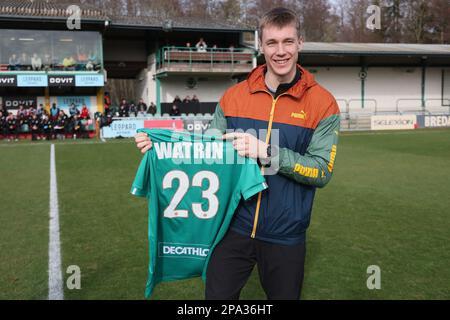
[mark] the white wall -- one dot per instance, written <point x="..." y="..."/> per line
<point x="142" y="86"/>
<point x="151" y="83"/>
<point x="433" y="90"/>
<point x="385" y="85"/>
<point x="343" y="83"/>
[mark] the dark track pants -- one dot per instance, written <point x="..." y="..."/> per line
<point x="280" y="268"/>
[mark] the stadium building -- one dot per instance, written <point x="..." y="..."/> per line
<point x="128" y="57"/>
<point x="156" y="59"/>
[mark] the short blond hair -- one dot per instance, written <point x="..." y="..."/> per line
<point x="279" y="17"/>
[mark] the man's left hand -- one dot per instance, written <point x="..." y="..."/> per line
<point x="247" y="145"/>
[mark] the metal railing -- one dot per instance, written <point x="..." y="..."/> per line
<point x="420" y="108"/>
<point x="365" y="110"/>
<point x="346" y="111"/>
<point x="229" y="58"/>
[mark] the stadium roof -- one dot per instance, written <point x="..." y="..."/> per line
<point x="42" y="8"/>
<point x="375" y="49"/>
<point x="177" y="23"/>
<point x="51" y="9"/>
<point x="374" y="54"/>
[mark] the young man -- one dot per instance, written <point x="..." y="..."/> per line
<point x="269" y="229"/>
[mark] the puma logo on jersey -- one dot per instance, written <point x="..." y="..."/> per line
<point x="300" y="115"/>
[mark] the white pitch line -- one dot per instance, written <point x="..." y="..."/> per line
<point x="55" y="280"/>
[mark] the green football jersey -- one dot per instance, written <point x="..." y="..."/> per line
<point x="193" y="184"/>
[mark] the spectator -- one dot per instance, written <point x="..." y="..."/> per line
<point x="201" y="45"/>
<point x="54" y="112"/>
<point x="85" y="113"/>
<point x="46" y="127"/>
<point x="151" y="109"/>
<point x="76" y="127"/>
<point x="107" y="102"/>
<point x="141" y="107"/>
<point x="92" y="62"/>
<point x="174" y="112"/>
<point x="40" y="110"/>
<point x="24" y="62"/>
<point x="69" y="63"/>
<point x="195" y="99"/>
<point x="21" y="113"/>
<point x="105" y="120"/>
<point x="14" y="62"/>
<point x="187" y="99"/>
<point x="3" y="124"/>
<point x="89" y="66"/>
<point x="3" y="110"/>
<point x="73" y="111"/>
<point x="124" y="109"/>
<point x="36" y="62"/>
<point x="133" y="109"/>
<point x="61" y="125"/>
<point x="31" y="111"/>
<point x="81" y="56"/>
<point x="176" y="100"/>
<point x="47" y="62"/>
<point x="22" y="118"/>
<point x="35" y="127"/>
<point x="92" y="57"/>
<point x="12" y="127"/>
<point x="188" y="46"/>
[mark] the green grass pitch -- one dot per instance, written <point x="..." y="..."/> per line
<point x="388" y="204"/>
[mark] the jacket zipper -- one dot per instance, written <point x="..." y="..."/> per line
<point x="269" y="129"/>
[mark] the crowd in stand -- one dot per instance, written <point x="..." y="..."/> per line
<point x="202" y="46"/>
<point x="178" y="105"/>
<point x="130" y="109"/>
<point x="82" y="60"/>
<point x="55" y="123"/>
<point x="75" y="123"/>
<point x="127" y="109"/>
<point x="43" y="124"/>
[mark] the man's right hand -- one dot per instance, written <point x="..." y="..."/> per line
<point x="143" y="142"/>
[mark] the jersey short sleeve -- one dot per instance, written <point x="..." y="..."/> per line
<point x="251" y="180"/>
<point x="141" y="183"/>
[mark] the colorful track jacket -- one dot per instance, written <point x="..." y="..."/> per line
<point x="306" y="119"/>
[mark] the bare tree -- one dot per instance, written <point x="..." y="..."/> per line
<point x="419" y="21"/>
<point x="441" y="24"/>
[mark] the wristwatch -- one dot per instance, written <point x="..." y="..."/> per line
<point x="266" y="162"/>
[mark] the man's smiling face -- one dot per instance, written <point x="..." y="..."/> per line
<point x="280" y="47"/>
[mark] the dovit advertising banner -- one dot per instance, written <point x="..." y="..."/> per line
<point x="122" y="128"/>
<point x="13" y="102"/>
<point x="434" y="121"/>
<point x="61" y="81"/>
<point x="394" y="122"/>
<point x="199" y="126"/>
<point x="8" y="81"/>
